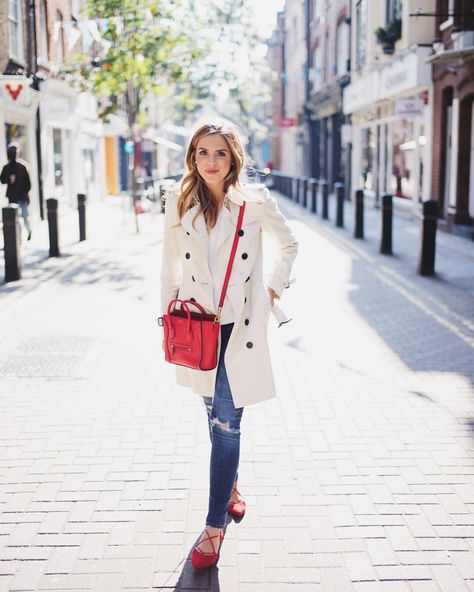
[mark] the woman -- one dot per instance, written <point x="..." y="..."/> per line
<point x="200" y="223"/>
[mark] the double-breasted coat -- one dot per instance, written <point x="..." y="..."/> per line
<point x="185" y="274"/>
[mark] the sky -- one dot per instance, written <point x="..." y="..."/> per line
<point x="265" y="14"/>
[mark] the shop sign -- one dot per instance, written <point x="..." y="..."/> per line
<point x="361" y="92"/>
<point x="55" y="108"/>
<point x="288" y="121"/>
<point x="15" y="90"/>
<point x="408" y="107"/>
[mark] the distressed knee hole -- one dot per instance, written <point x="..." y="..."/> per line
<point x="225" y="426"/>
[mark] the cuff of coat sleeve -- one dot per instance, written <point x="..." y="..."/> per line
<point x="277" y="284"/>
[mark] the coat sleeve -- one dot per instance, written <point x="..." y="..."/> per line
<point x="171" y="267"/>
<point x="278" y="228"/>
<point x="4" y="176"/>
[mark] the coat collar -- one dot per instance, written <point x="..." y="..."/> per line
<point x="194" y="223"/>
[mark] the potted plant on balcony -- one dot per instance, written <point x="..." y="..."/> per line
<point x="388" y="36"/>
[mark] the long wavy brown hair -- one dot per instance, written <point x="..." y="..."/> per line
<point x="193" y="185"/>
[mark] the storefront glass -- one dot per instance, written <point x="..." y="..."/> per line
<point x="16" y="133"/>
<point x="58" y="158"/>
<point x="403" y="159"/>
<point x="367" y="162"/>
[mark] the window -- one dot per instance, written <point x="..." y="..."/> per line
<point x="361" y="33"/>
<point x="342" y="48"/>
<point x="59" y="37"/>
<point x="393" y="11"/>
<point x="15" y="29"/>
<point x="317" y="68"/>
<point x="43" y="45"/>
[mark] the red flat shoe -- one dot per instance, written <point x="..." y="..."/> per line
<point x="201" y="560"/>
<point x="237" y="508"/>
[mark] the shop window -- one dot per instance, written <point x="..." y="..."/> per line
<point x="15" y="29"/>
<point x="403" y="159"/>
<point x="361" y="33"/>
<point x="367" y="160"/>
<point x="57" y="158"/>
<point x="16" y="133"/>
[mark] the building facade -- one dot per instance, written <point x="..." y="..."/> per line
<point x="453" y="106"/>
<point x="390" y="98"/>
<point x="56" y="125"/>
<point x="329" y="68"/>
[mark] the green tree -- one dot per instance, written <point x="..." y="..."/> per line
<point x="146" y="48"/>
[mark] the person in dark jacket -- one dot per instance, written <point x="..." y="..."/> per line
<point x="17" y="178"/>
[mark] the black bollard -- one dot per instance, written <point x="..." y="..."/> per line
<point x="298" y="190"/>
<point x="304" y="183"/>
<point x="339" y="194"/>
<point x="359" y="214"/>
<point x="429" y="224"/>
<point x="81" y="208"/>
<point x="323" y="186"/>
<point x="52" y="209"/>
<point x="11" y="243"/>
<point x="387" y="220"/>
<point x="313" y="186"/>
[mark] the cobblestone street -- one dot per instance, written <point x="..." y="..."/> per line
<point x="358" y="477"/>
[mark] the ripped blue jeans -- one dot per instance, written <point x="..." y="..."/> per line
<point x="224" y="431"/>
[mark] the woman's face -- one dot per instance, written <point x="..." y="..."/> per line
<point x="213" y="158"/>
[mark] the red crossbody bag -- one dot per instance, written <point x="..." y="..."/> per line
<point x="190" y="337"/>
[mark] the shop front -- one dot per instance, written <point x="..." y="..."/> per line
<point x="390" y="110"/>
<point x="18" y="105"/>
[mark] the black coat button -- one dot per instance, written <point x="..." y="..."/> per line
<point x="246" y="321"/>
<point x="193" y="278"/>
<point x="187" y="232"/>
<point x="187" y="255"/>
<point x="241" y="232"/>
<point x="244" y="255"/>
<point x="249" y="344"/>
<point x="247" y="279"/>
<point x="193" y="299"/>
<point x="245" y="299"/>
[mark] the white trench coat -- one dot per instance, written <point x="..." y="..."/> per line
<point x="185" y="274"/>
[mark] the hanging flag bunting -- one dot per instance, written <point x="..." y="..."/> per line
<point x="94" y="30"/>
<point x="73" y="35"/>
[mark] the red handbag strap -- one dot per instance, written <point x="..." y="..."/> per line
<point x="231" y="260"/>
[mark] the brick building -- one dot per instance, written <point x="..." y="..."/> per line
<point x="329" y="67"/>
<point x="453" y="129"/>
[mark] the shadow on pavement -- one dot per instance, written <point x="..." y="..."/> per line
<point x="426" y="340"/>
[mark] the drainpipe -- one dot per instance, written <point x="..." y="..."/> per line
<point x="32" y="72"/>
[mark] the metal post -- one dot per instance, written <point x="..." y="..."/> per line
<point x="290" y="187"/>
<point x="52" y="209"/>
<point x="339" y="194"/>
<point x="11" y="243"/>
<point x="313" y="184"/>
<point x="81" y="208"/>
<point x="304" y="181"/>
<point x="359" y="214"/>
<point x="387" y="220"/>
<point x="429" y="224"/>
<point x="323" y="185"/>
<point x="298" y="189"/>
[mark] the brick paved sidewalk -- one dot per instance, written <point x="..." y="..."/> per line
<point x="358" y="477"/>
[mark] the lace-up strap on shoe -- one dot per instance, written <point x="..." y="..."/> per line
<point x="209" y="538"/>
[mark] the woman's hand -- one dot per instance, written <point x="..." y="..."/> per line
<point x="272" y="295"/>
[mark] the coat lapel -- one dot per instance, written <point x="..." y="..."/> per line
<point x="195" y="225"/>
